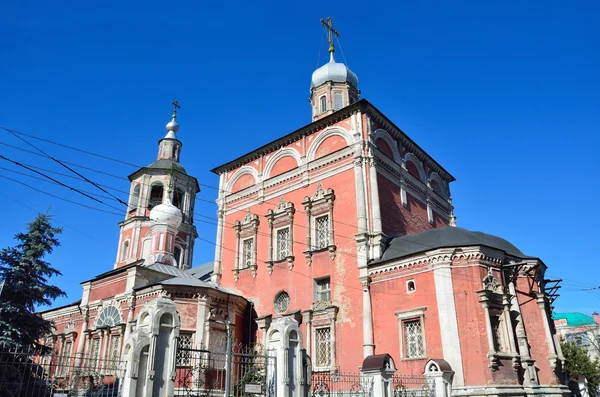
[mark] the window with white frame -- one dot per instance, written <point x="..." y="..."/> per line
<point x="412" y="333"/>
<point x="94" y="352"/>
<point x="323" y="347"/>
<point x="114" y="354"/>
<point x="413" y="339"/>
<point x="338" y="100"/>
<point x="323" y="103"/>
<point x="247" y="252"/>
<point x="281" y="223"/>
<point x="319" y="210"/>
<point x="246" y="233"/>
<point x="125" y="250"/>
<point x="322" y="232"/>
<point x="411" y="286"/>
<point x="323" y="289"/>
<point x="283" y="243"/>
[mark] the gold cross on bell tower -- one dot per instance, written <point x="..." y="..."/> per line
<point x="176" y="106"/>
<point x="331" y="31"/>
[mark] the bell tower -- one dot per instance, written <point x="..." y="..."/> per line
<point x="333" y="85"/>
<point x="161" y="203"/>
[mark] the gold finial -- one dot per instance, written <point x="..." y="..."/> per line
<point x="329" y="26"/>
<point x="176" y="106"/>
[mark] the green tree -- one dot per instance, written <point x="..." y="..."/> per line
<point x="578" y="362"/>
<point x="25" y="275"/>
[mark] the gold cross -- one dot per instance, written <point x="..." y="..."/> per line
<point x="329" y="26"/>
<point x="176" y="106"/>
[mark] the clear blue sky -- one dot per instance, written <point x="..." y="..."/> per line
<point x="503" y="94"/>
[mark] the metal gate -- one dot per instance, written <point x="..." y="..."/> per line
<point x="202" y="373"/>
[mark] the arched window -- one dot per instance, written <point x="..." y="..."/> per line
<point x="109" y="317"/>
<point x="323" y="103"/>
<point x="178" y="198"/>
<point x="338" y="100"/>
<point x="156" y="195"/>
<point x="178" y="254"/>
<point x="125" y="250"/>
<point x="135" y="198"/>
<point x="146" y="247"/>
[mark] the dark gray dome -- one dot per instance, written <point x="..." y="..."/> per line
<point x="168" y="164"/>
<point x="445" y="237"/>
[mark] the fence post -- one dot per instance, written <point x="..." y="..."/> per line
<point x="380" y="368"/>
<point x="439" y="374"/>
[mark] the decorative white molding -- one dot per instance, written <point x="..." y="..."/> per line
<point x="327" y="133"/>
<point x="284" y="152"/>
<point x="244" y="170"/>
<point x="413" y="159"/>
<point x="387" y="138"/>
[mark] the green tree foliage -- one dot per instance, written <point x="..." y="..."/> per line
<point x="577" y="362"/>
<point x="25" y="275"/>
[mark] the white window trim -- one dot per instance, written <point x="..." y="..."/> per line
<point x="321" y="110"/>
<point x="244" y="230"/>
<point x="411" y="315"/>
<point x="243" y="265"/>
<point x="319" y="205"/>
<point x="317" y="294"/>
<point x="331" y="365"/>
<point x="412" y="280"/>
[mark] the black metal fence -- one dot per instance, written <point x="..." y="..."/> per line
<point x="201" y="373"/>
<point x="326" y="384"/>
<point x="413" y="386"/>
<point x="38" y="373"/>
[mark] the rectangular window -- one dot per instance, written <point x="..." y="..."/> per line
<point x="95" y="353"/>
<point x="185" y="341"/>
<point x="115" y="352"/>
<point x="323" y="290"/>
<point x="283" y="243"/>
<point x="413" y="339"/>
<point x="323" y="102"/>
<point x="65" y="360"/>
<point x="338" y="100"/>
<point x="247" y="252"/>
<point x="497" y="323"/>
<point x="323" y="347"/>
<point x="322" y="232"/>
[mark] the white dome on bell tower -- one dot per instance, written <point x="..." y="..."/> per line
<point x="333" y="86"/>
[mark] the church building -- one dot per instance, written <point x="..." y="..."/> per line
<point x="344" y="228"/>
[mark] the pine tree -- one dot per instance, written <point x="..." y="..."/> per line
<point x="25" y="275"/>
<point x="578" y="362"/>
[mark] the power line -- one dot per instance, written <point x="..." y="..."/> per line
<point x="15" y="133"/>
<point x="65" y="166"/>
<point x="69" y="147"/>
<point x="60" y="198"/>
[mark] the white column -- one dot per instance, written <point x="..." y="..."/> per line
<point x="444" y="293"/>
<point x="128" y="325"/>
<point x="368" y="344"/>
<point x="200" y="322"/>
<point x="361" y="204"/>
<point x="376" y="212"/>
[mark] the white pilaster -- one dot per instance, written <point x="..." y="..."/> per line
<point x="444" y="293"/>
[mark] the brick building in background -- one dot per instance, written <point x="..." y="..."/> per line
<point x="344" y="228"/>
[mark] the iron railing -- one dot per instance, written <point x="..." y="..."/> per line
<point x="326" y="384"/>
<point x="43" y="373"/>
<point x="201" y="373"/>
<point x="413" y="386"/>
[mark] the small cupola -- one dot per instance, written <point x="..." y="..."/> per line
<point x="333" y="85"/>
<point x="169" y="148"/>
